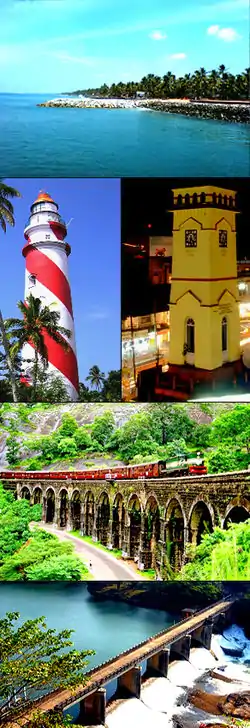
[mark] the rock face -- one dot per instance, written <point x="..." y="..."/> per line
<point x="234" y="112"/>
<point x="235" y="705"/>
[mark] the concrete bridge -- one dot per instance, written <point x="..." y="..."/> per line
<point x="171" y="644"/>
<point x="144" y="518"/>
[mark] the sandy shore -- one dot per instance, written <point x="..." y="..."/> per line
<point x="234" y="112"/>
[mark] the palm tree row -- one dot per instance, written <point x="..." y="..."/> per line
<point x="214" y="84"/>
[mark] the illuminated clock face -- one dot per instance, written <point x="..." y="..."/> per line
<point x="191" y="238"/>
<point x="223" y="238"/>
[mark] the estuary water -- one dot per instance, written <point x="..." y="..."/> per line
<point x="108" y="627"/>
<point x="37" y="142"/>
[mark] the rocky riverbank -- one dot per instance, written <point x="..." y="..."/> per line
<point x="233" y="112"/>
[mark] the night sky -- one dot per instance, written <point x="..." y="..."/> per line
<point x="94" y="263"/>
<point x="147" y="201"/>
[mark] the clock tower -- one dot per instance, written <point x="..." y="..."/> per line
<point x="204" y="309"/>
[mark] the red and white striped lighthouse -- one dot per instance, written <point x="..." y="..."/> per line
<point x="46" y="277"/>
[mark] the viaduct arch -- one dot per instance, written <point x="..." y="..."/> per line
<point x="146" y="519"/>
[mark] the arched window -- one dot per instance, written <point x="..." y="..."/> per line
<point x="187" y="199"/>
<point x="203" y="197"/>
<point x="225" y="199"/>
<point x="179" y="200"/>
<point x="219" y="199"/>
<point x="190" y="330"/>
<point x="224" y="333"/>
<point x="214" y="198"/>
<point x="230" y="201"/>
<point x="195" y="198"/>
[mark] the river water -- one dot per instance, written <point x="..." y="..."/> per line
<point x="111" y="627"/>
<point x="43" y="142"/>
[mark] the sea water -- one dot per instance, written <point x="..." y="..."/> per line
<point x="37" y="142"/>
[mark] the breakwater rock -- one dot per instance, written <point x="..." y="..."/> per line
<point x="236" y="705"/>
<point x="224" y="111"/>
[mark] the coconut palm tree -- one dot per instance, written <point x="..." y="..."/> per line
<point x="37" y="321"/>
<point x="7" y="217"/>
<point x="95" y="377"/>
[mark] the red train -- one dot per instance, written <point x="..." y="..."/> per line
<point x="160" y="469"/>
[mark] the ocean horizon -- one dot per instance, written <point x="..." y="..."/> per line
<point x="36" y="142"/>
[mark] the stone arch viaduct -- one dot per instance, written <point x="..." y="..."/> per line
<point x="146" y="519"/>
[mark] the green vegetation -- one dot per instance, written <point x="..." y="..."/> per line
<point x="88" y="539"/>
<point x="35" y="658"/>
<point x="27" y="555"/>
<point x="158" y="431"/>
<point x="214" y="84"/>
<point x="221" y="555"/>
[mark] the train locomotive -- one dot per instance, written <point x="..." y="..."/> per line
<point x="182" y="466"/>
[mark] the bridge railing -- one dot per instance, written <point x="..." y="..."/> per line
<point x="113" y="674"/>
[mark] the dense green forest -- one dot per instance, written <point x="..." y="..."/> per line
<point x="154" y="431"/>
<point x="214" y="84"/>
<point x="221" y="555"/>
<point x="33" y="555"/>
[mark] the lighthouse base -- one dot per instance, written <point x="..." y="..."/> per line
<point x="28" y="360"/>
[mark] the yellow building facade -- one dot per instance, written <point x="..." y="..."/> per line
<point x="204" y="310"/>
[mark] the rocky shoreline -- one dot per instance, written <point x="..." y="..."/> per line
<point x="233" y="112"/>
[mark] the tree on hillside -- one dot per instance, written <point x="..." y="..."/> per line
<point x="135" y="438"/>
<point x="229" y="425"/>
<point x="35" y="658"/>
<point x="103" y="427"/>
<point x="13" y="449"/>
<point x="7" y="217"/>
<point x="169" y="422"/>
<point x="69" y="425"/>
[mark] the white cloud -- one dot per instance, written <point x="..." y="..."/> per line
<point x="157" y="35"/>
<point x="226" y="34"/>
<point x="213" y="30"/>
<point x="178" y="56"/>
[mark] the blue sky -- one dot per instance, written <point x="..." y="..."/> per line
<point x="94" y="263"/>
<point x="52" y="46"/>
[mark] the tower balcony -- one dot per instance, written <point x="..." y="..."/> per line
<point x="56" y="218"/>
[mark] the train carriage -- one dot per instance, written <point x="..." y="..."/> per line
<point x="180" y="467"/>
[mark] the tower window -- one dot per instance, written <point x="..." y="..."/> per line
<point x="187" y="199"/>
<point x="224" y="333"/>
<point x="191" y="238"/>
<point x="190" y="330"/>
<point x="179" y="200"/>
<point x="223" y="238"/>
<point x="32" y="280"/>
<point x="195" y="198"/>
<point x="203" y="197"/>
<point x="214" y="198"/>
<point x="220" y="199"/>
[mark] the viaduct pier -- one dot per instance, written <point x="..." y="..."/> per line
<point x="140" y="517"/>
